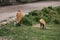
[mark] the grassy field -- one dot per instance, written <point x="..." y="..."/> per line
<point x="29" y="33"/>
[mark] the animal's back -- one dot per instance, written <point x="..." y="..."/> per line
<point x="19" y="16"/>
<point x="42" y="21"/>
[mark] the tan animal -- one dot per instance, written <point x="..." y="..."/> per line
<point x="19" y="17"/>
<point x="42" y="23"/>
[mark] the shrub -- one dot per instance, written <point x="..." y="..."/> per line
<point x="36" y="18"/>
<point x="50" y="7"/>
<point x="46" y="10"/>
<point x="57" y="9"/>
<point x="27" y="20"/>
<point x="57" y="21"/>
<point x="33" y="13"/>
<point x="49" y="14"/>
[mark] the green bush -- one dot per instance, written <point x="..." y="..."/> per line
<point x="49" y="14"/>
<point x="57" y="9"/>
<point x="27" y="20"/>
<point x="36" y="18"/>
<point x="33" y="13"/>
<point x="50" y="7"/>
<point x="57" y="21"/>
<point x="46" y="10"/>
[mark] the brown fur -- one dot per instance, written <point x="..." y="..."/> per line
<point x="42" y="23"/>
<point x="19" y="16"/>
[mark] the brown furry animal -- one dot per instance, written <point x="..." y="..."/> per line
<point x="19" y="17"/>
<point x="42" y="23"/>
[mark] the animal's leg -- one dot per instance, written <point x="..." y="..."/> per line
<point x="40" y="25"/>
<point x="44" y="26"/>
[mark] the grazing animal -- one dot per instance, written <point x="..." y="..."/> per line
<point x="19" y="17"/>
<point x="42" y="23"/>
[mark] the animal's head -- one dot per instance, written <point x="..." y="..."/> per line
<point x="19" y="10"/>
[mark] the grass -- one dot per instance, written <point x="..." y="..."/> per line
<point x="29" y="33"/>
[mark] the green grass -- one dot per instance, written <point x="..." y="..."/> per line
<point x="29" y="33"/>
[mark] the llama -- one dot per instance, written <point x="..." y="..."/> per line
<point x="19" y="17"/>
<point x="42" y="23"/>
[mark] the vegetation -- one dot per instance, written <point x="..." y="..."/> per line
<point x="50" y="14"/>
<point x="27" y="32"/>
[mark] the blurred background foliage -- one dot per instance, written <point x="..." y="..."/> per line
<point x="50" y="14"/>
